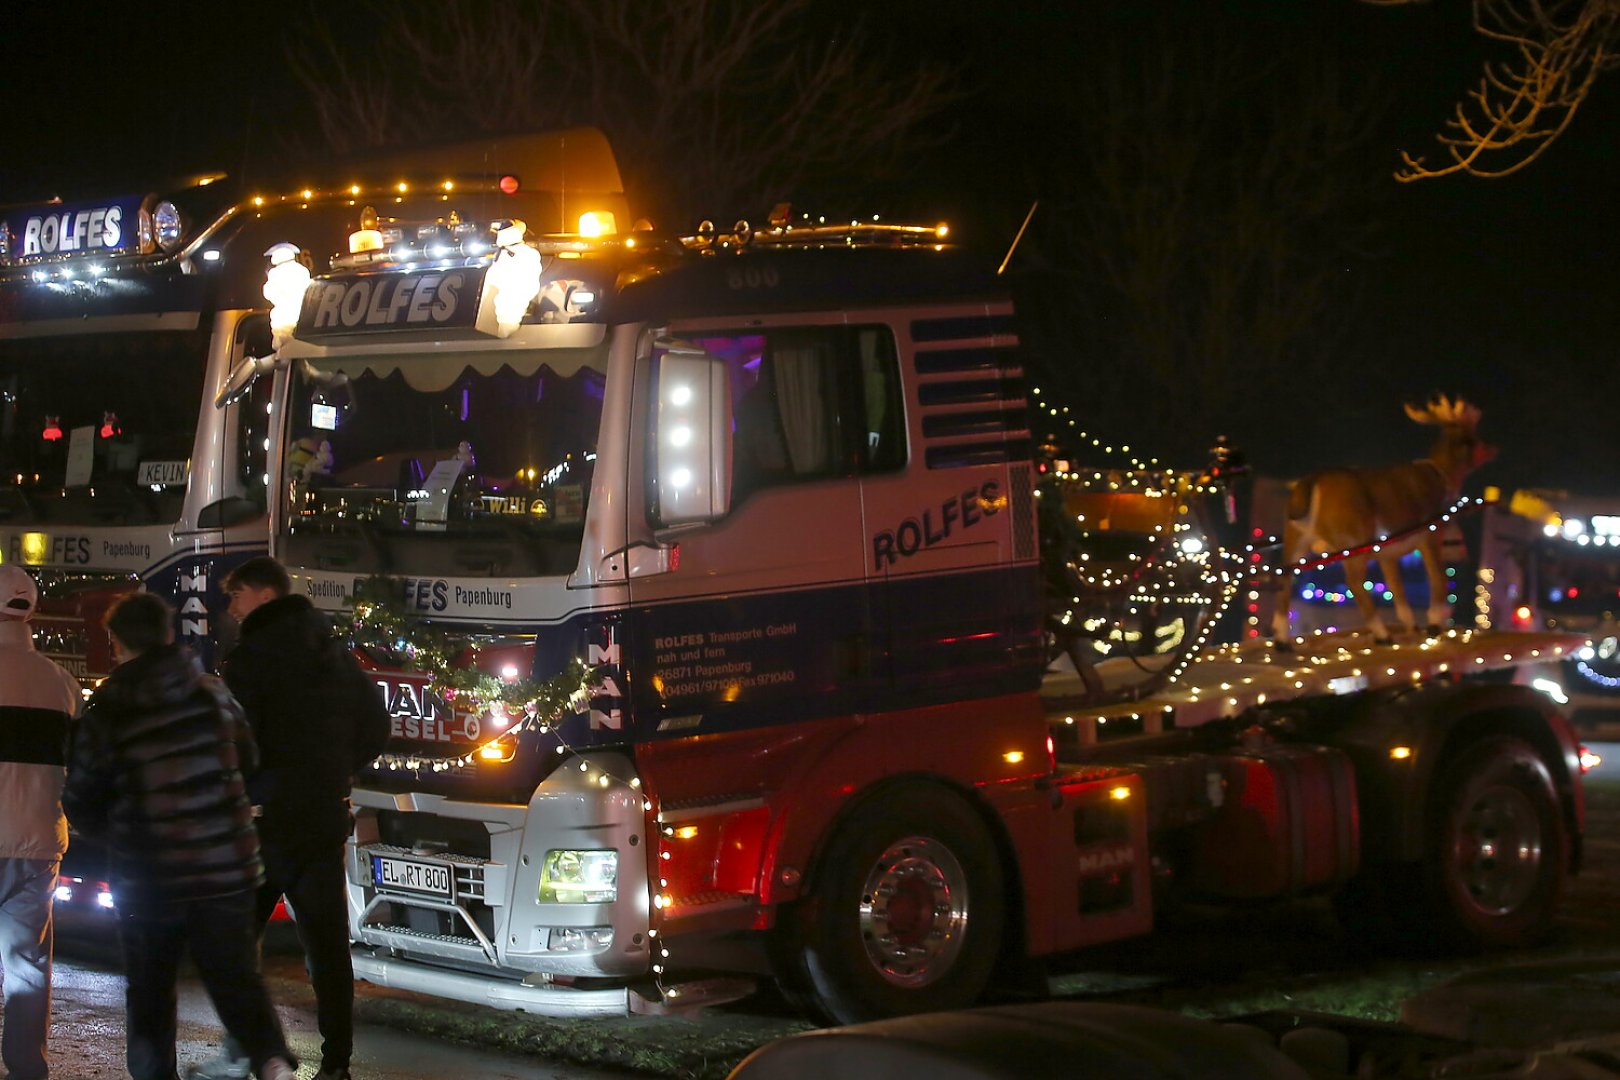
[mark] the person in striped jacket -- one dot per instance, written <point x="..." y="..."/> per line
<point x="38" y="700"/>
<point x="156" y="770"/>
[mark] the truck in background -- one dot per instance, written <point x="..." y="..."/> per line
<point x="775" y="489"/>
<point x="1551" y="560"/>
<point x="122" y="318"/>
<point x="118" y="318"/>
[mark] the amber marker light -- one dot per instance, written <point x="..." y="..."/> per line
<point x="1013" y="757"/>
<point x="686" y="832"/>
<point x="1400" y="753"/>
<point x="502" y="750"/>
<point x="1120" y="793"/>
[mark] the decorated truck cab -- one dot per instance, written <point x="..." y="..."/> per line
<point x="702" y="578"/>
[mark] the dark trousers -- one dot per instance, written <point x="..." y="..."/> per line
<point x="312" y="879"/>
<point x="221" y="934"/>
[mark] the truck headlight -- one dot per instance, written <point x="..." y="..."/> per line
<point x="579" y="877"/>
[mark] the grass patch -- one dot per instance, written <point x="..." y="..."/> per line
<point x="704" y="1045"/>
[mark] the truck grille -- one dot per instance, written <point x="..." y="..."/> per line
<point x="467" y="872"/>
<point x="461" y="845"/>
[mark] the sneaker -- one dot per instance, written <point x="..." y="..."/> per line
<point x="278" y="1069"/>
<point x="222" y="1066"/>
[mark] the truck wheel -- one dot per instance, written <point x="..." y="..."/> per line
<point x="1499" y="854"/>
<point x="907" y="913"/>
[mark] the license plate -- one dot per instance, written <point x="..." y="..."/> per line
<point x="414" y="876"/>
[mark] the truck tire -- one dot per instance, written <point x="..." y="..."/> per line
<point x="906" y="912"/>
<point x="1498" y="851"/>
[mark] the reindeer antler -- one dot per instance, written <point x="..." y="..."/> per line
<point x="1442" y="410"/>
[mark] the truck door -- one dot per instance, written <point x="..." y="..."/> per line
<point x="764" y="615"/>
<point x="225" y="483"/>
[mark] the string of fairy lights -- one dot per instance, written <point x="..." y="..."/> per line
<point x="1222" y="573"/>
<point x="1177" y="553"/>
<point x="380" y="622"/>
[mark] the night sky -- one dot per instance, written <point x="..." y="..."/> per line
<point x="1498" y="290"/>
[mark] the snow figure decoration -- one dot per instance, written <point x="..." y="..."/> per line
<point x="513" y="278"/>
<point x="284" y="287"/>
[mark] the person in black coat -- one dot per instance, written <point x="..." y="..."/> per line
<point x="156" y="771"/>
<point x="318" y="720"/>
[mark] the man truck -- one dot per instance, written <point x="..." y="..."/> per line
<point x="702" y="578"/>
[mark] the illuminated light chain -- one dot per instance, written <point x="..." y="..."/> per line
<point x="1371" y="547"/>
<point x="1061" y="413"/>
<point x="380" y="622"/>
<point x="1232" y="585"/>
<point x="1592" y="675"/>
<point x="1302" y="674"/>
<point x="1171" y="560"/>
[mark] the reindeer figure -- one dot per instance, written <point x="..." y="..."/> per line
<point x="1342" y="509"/>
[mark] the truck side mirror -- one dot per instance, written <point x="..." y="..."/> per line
<point x="241" y="379"/>
<point x="691" y="437"/>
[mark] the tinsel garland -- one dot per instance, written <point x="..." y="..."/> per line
<point x="380" y="622"/>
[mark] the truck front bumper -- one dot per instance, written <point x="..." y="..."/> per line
<point x="455" y="886"/>
<point x="540" y="998"/>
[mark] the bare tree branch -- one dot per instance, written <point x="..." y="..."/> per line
<point x="1521" y="106"/>
<point x="713" y="106"/>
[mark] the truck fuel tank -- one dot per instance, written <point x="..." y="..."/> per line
<point x="1288" y="823"/>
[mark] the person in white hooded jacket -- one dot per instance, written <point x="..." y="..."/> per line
<point x="38" y="700"/>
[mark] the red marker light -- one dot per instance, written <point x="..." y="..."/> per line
<point x="509" y="184"/>
<point x="1521" y="615"/>
<point x="1574" y="591"/>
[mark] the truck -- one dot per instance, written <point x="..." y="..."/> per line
<point x="1550" y="560"/>
<point x="123" y="317"/>
<point x="117" y="314"/>
<point x="702" y="576"/>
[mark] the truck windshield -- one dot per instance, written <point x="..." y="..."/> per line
<point x="98" y="428"/>
<point x="448" y="464"/>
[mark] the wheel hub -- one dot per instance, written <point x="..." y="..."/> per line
<point x="1498" y="850"/>
<point x="914" y="912"/>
